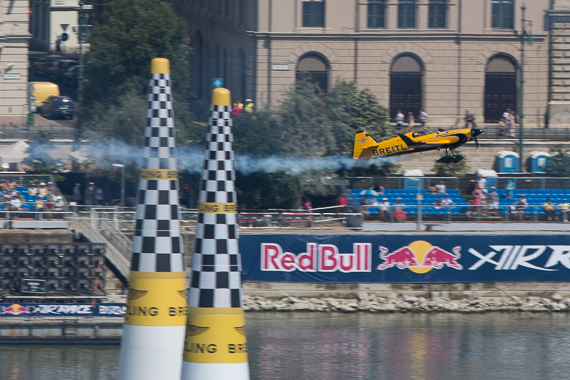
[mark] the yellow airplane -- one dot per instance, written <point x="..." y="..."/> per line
<point x="412" y="142"/>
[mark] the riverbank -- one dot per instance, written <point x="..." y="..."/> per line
<point x="369" y="302"/>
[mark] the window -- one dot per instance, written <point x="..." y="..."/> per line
<point x="502" y="14"/>
<point x="407" y="14"/>
<point x="437" y="13"/>
<point x="314" y="68"/>
<point x="313" y="13"/>
<point x="376" y="13"/>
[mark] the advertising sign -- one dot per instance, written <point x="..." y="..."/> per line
<point x="52" y="310"/>
<point x="405" y="258"/>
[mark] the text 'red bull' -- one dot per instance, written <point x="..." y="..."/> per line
<point x="318" y="258"/>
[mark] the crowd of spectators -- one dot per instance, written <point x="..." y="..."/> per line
<point x="38" y="197"/>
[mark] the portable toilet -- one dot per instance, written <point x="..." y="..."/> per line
<point x="508" y="161"/>
<point x="537" y="161"/>
<point x="490" y="175"/>
<point x="412" y="178"/>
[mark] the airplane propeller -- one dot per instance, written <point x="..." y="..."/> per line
<point x="474" y="133"/>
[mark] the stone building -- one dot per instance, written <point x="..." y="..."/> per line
<point x="14" y="20"/>
<point x="443" y="56"/>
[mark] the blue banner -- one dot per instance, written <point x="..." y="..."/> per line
<point x="405" y="258"/>
<point x="57" y="309"/>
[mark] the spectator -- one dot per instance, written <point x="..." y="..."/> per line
<point x="520" y="206"/>
<point x="379" y="189"/>
<point x="59" y="204"/>
<point x="76" y="193"/>
<point x="469" y="119"/>
<point x="441" y="187"/>
<point x="479" y="197"/>
<point x="342" y="201"/>
<point x="15" y="203"/>
<point x="423" y="119"/>
<point x="32" y="191"/>
<point x="248" y="108"/>
<point x="399" y="210"/>
<point x="42" y="190"/>
<point x="399" y="120"/>
<point x="308" y="205"/>
<point x="564" y="207"/>
<point x="432" y="189"/>
<point x="550" y="210"/>
<point x="411" y="121"/>
<point x="385" y="210"/>
<point x="482" y="182"/>
<point x="99" y="196"/>
<point x="494" y="201"/>
<point x="238" y="108"/>
<point x="510" y="188"/>
<point x="438" y="202"/>
<point x="50" y="188"/>
<point x="90" y="194"/>
<point x="447" y="201"/>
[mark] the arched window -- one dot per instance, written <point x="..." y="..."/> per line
<point x="406" y="85"/>
<point x="500" y="87"/>
<point x="315" y="68"/>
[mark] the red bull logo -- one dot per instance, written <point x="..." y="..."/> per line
<point x="15" y="309"/>
<point x="420" y="257"/>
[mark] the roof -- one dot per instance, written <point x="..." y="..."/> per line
<point x="505" y="153"/>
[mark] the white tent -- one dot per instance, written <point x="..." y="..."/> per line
<point x="81" y="155"/>
<point x="14" y="153"/>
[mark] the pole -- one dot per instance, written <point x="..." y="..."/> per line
<point x="123" y="187"/>
<point x="419" y="198"/>
<point x="521" y="95"/>
<point x="80" y="77"/>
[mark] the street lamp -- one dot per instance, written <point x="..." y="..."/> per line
<point x="122" y="182"/>
<point x="529" y="38"/>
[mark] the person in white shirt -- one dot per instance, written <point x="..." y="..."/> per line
<point x="423" y="119"/>
<point x="15" y="203"/>
<point x="399" y="120"/>
<point x="385" y="209"/>
<point x="482" y="182"/>
<point x="441" y="187"/>
<point x="447" y="201"/>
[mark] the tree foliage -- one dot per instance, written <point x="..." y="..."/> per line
<point x="135" y="32"/>
<point x="558" y="164"/>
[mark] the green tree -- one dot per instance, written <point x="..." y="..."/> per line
<point x="305" y="128"/>
<point x="558" y="164"/>
<point x="121" y="49"/>
<point x="258" y="134"/>
<point x="454" y="169"/>
<point x="354" y="111"/>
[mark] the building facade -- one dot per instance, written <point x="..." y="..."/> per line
<point x="14" y="35"/>
<point x="54" y="25"/>
<point x="443" y="56"/>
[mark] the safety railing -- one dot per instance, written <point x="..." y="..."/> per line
<point x="36" y="219"/>
<point x="512" y="213"/>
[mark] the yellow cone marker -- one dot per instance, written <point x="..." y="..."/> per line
<point x="215" y="346"/>
<point x="153" y="334"/>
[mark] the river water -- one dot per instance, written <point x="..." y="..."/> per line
<point x="303" y="346"/>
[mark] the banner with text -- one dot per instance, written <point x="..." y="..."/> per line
<point x="405" y="258"/>
<point x="61" y="310"/>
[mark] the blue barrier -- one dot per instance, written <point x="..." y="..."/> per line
<point x="405" y="258"/>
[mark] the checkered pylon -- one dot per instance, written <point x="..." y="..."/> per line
<point x="216" y="266"/>
<point x="157" y="244"/>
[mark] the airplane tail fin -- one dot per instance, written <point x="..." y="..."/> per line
<point x="361" y="141"/>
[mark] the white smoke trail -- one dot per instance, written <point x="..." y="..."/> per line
<point x="192" y="160"/>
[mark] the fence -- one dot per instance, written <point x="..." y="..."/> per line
<point x="464" y="214"/>
<point x="29" y="131"/>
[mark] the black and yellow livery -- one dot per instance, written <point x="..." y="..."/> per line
<point x="413" y="142"/>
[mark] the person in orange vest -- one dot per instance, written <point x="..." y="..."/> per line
<point x="238" y="108"/>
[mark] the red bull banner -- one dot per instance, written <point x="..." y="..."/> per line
<point x="405" y="258"/>
<point x="62" y="310"/>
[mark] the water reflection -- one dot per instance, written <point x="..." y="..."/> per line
<point x="292" y="346"/>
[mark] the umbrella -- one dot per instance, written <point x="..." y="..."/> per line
<point x="369" y="192"/>
<point x="14" y="153"/>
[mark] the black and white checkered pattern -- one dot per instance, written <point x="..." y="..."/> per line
<point x="216" y="264"/>
<point x="157" y="243"/>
